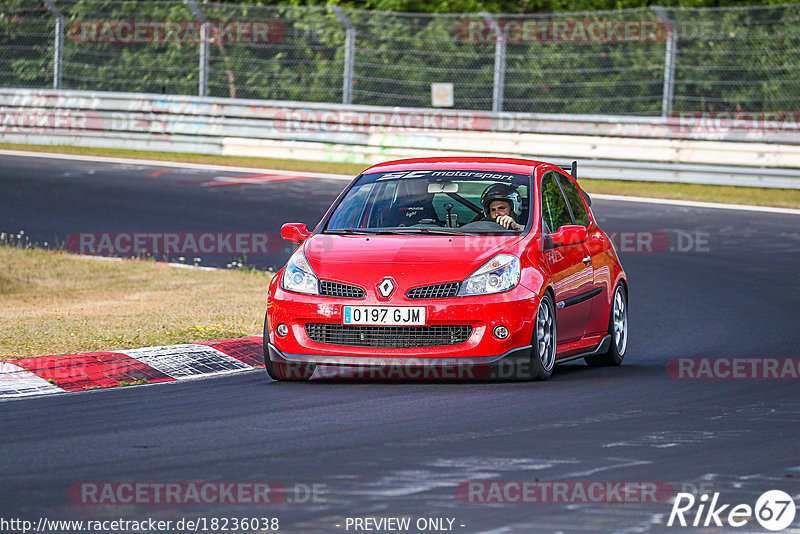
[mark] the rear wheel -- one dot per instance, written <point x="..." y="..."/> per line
<point x="543" y="354"/>
<point x="287" y="372"/>
<point x="617" y="329"/>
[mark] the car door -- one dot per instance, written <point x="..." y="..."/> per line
<point x="570" y="265"/>
<point x="595" y="245"/>
<point x="598" y="247"/>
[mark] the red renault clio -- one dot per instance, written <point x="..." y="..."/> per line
<point x="441" y="265"/>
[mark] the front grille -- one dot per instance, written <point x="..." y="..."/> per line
<point x="438" y="291"/>
<point x="388" y="336"/>
<point x="335" y="289"/>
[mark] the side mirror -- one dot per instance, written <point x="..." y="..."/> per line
<point x="569" y="235"/>
<point x="294" y="232"/>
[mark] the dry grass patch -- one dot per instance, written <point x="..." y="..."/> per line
<point x="59" y="303"/>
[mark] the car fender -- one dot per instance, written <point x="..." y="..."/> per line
<point x="271" y="289"/>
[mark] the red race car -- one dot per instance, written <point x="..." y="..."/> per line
<point x="449" y="267"/>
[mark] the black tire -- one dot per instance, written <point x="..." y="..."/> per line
<point x="617" y="331"/>
<point x="294" y="372"/>
<point x="544" y="340"/>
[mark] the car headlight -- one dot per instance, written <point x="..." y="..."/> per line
<point x="501" y="273"/>
<point x="298" y="276"/>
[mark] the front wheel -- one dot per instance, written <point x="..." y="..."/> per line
<point x="617" y="329"/>
<point x="543" y="354"/>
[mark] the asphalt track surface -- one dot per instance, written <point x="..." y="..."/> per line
<point x="388" y="449"/>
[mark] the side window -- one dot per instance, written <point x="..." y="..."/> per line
<point x="554" y="208"/>
<point x="575" y="200"/>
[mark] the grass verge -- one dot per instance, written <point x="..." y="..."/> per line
<point x="783" y="198"/>
<point x="60" y="303"/>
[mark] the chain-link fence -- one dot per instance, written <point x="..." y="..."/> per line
<point x="652" y="61"/>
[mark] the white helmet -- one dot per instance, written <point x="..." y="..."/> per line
<point x="501" y="192"/>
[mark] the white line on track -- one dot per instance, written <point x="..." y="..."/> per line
<point x="178" y="164"/>
<point x="695" y="204"/>
<point x="231" y="168"/>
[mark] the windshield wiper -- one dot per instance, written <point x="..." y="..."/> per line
<point x="435" y="230"/>
<point x="351" y="231"/>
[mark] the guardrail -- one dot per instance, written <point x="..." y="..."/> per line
<point x="676" y="149"/>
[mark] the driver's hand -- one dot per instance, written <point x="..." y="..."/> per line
<point x="507" y="222"/>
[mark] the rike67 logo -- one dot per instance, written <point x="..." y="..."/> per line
<point x="774" y="510"/>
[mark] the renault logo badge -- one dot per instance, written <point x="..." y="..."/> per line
<point x="386" y="288"/>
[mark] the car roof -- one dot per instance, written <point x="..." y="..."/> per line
<point x="522" y="166"/>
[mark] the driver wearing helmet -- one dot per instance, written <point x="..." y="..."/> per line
<point x="501" y="203"/>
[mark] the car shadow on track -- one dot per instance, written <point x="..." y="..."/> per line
<point x="571" y="371"/>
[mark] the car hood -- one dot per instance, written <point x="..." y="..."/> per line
<point x="416" y="259"/>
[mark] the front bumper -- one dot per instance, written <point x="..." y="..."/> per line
<point x="514" y="309"/>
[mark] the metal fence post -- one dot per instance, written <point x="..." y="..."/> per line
<point x="499" y="62"/>
<point x="669" y="61"/>
<point x="349" y="53"/>
<point x="58" y="45"/>
<point x="202" y="84"/>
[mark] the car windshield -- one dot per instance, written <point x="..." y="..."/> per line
<point x="432" y="202"/>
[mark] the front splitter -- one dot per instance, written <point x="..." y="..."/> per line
<point x="511" y="365"/>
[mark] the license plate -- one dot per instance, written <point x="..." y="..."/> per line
<point x="384" y="315"/>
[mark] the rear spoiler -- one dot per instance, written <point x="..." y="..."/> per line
<point x="573" y="171"/>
